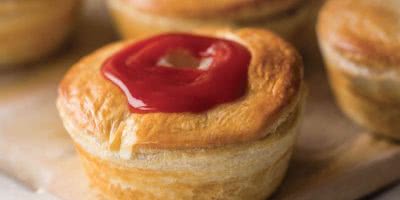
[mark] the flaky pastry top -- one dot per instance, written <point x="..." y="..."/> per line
<point x="365" y="31"/>
<point x="97" y="108"/>
<point x="238" y="9"/>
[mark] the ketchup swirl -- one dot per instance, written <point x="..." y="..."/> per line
<point x="173" y="73"/>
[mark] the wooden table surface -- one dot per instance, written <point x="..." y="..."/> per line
<point x="390" y="194"/>
<point x="333" y="158"/>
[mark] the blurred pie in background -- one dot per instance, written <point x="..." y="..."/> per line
<point x="142" y="17"/>
<point x="360" y="41"/>
<point x="32" y="29"/>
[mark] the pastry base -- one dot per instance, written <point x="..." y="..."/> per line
<point x="263" y="183"/>
<point x="242" y="171"/>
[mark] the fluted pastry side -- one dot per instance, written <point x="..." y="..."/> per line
<point x="247" y="171"/>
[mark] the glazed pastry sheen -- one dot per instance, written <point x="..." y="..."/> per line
<point x="235" y="150"/>
<point x="179" y="73"/>
<point x="360" y="40"/>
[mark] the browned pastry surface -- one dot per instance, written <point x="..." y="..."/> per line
<point x="98" y="108"/>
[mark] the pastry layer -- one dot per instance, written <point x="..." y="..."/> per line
<point x="89" y="103"/>
<point x="364" y="31"/>
<point x="245" y="171"/>
<point x="33" y="29"/>
<point x="133" y="22"/>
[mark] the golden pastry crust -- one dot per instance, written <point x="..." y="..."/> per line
<point x="238" y="9"/>
<point x="138" y="19"/>
<point x="32" y="29"/>
<point x="99" y="109"/>
<point x="364" y="31"/>
<point x="238" y="150"/>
